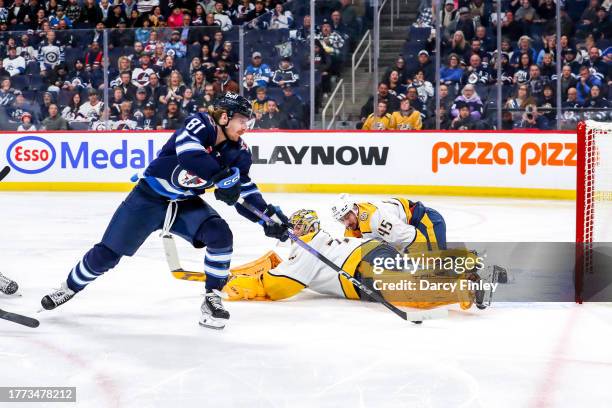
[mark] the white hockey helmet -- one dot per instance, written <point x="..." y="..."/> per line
<point x="342" y="206"/>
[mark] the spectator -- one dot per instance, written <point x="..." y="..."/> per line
<point x="224" y="83"/>
<point x="198" y="82"/>
<point x="445" y="122"/>
<point x="349" y="13"/>
<point x="392" y="103"/>
<point x="3" y="72"/>
<point x="280" y="18"/>
<point x="452" y="73"/>
<point x="285" y="74"/>
<point x="407" y="118"/>
<point x="173" y="119"/>
<point x="249" y="87"/>
<point x="243" y="10"/>
<point x="521" y="74"/>
<point x="139" y="102"/>
<point x="188" y="106"/>
<point x="322" y="65"/>
<point x="18" y="13"/>
<point x="59" y="16"/>
<point x="26" y="50"/>
<point x="71" y="111"/>
<point x="449" y="14"/>
<point x="569" y="58"/>
<point x="73" y="10"/>
<point x="446" y="100"/>
<point x="273" y="118"/>
<point x="594" y="63"/>
<point x="465" y="24"/>
<point x="258" y="11"/>
<point x="469" y="97"/>
<point x="149" y="120"/>
<point x="518" y="103"/>
<point x="50" y="53"/>
<point x="91" y="110"/>
<point x="331" y="42"/>
<point x="511" y="28"/>
<point x="141" y="74"/>
<point x="486" y="43"/>
<point x="209" y="96"/>
<point x="547" y="10"/>
<point x="396" y="88"/>
<point x="536" y="83"/>
<point x="382" y="120"/>
<point x="174" y="89"/>
<point x="601" y="27"/>
<point x="464" y="120"/>
<point x="585" y="82"/>
<point x="145" y="6"/>
<point x="476" y="74"/>
<point x="338" y="26"/>
<point x="400" y="67"/>
<point x="507" y="120"/>
<point x="533" y="120"/>
<point x="176" y="18"/>
<point x="260" y="104"/>
<point x="221" y="18"/>
<point x="458" y="45"/>
<point x="547" y="104"/>
<point x="116" y="101"/>
<point x="167" y="67"/>
<point x="424" y="88"/>
<point x="523" y="47"/>
<point x="105" y="8"/>
<point x="423" y="64"/>
<point x="54" y="121"/>
<point x="26" y="124"/>
<point x="13" y="63"/>
<point x="415" y="102"/>
<point x="47" y="100"/>
<point x="94" y="55"/>
<point x="124" y="120"/>
<point x="261" y="72"/>
<point x="293" y="108"/>
<point x="154" y="89"/>
<point x="526" y="14"/>
<point x="91" y="14"/>
<point x="595" y="100"/>
<point x="175" y="47"/>
<point x="548" y="68"/>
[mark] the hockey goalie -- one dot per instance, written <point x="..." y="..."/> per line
<point x="271" y="278"/>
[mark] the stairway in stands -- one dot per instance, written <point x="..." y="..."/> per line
<point x="390" y="46"/>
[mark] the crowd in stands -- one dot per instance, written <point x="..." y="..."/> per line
<point x="529" y="73"/>
<point x="166" y="60"/>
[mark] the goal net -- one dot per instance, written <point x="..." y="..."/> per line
<point x="593" y="195"/>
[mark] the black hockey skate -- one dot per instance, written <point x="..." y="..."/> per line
<point x="214" y="315"/>
<point x="57" y="297"/>
<point x="8" y="286"/>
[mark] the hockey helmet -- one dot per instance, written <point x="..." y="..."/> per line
<point x="305" y="222"/>
<point x="343" y="205"/>
<point x="233" y="103"/>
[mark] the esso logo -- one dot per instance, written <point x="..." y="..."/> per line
<point x="30" y="154"/>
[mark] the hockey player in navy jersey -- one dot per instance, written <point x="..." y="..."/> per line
<point x="206" y="152"/>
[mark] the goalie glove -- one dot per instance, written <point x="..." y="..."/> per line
<point x="278" y="229"/>
<point x="228" y="185"/>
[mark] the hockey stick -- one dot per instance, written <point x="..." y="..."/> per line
<point x="19" y="319"/>
<point x="416" y="317"/>
<point x="174" y="264"/>
<point x="3" y="173"/>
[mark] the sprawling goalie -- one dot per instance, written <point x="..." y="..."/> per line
<point x="271" y="278"/>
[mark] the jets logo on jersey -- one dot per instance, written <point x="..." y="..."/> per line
<point x="186" y="179"/>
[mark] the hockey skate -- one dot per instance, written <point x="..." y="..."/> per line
<point x="8" y="286"/>
<point x="214" y="315"/>
<point x="57" y="297"/>
<point x="483" y="298"/>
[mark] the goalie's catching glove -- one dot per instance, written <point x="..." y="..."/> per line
<point x="278" y="229"/>
<point x="228" y="185"/>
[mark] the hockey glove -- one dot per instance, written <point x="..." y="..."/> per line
<point x="228" y="185"/>
<point x="278" y="229"/>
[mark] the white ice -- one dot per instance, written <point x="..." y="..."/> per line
<point x="131" y="339"/>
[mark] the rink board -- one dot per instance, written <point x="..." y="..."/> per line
<point x="505" y="164"/>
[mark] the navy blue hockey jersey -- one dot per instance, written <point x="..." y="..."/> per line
<point x="189" y="159"/>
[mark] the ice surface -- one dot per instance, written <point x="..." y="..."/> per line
<point x="131" y="339"/>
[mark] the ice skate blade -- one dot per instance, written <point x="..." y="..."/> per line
<point x="211" y="323"/>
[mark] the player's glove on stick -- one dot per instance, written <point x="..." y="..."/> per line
<point x="278" y="229"/>
<point x="228" y="185"/>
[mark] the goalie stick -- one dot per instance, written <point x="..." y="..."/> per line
<point x="5" y="170"/>
<point x="19" y="319"/>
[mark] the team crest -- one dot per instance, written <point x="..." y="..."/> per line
<point x="186" y="179"/>
<point x="363" y="216"/>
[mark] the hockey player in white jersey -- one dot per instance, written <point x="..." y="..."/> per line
<point x="271" y="278"/>
<point x="398" y="221"/>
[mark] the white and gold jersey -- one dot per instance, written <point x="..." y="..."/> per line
<point x="305" y="269"/>
<point x="387" y="221"/>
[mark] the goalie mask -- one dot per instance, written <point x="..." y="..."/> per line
<point x="305" y="222"/>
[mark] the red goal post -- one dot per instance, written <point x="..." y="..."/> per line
<point x="593" y="194"/>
